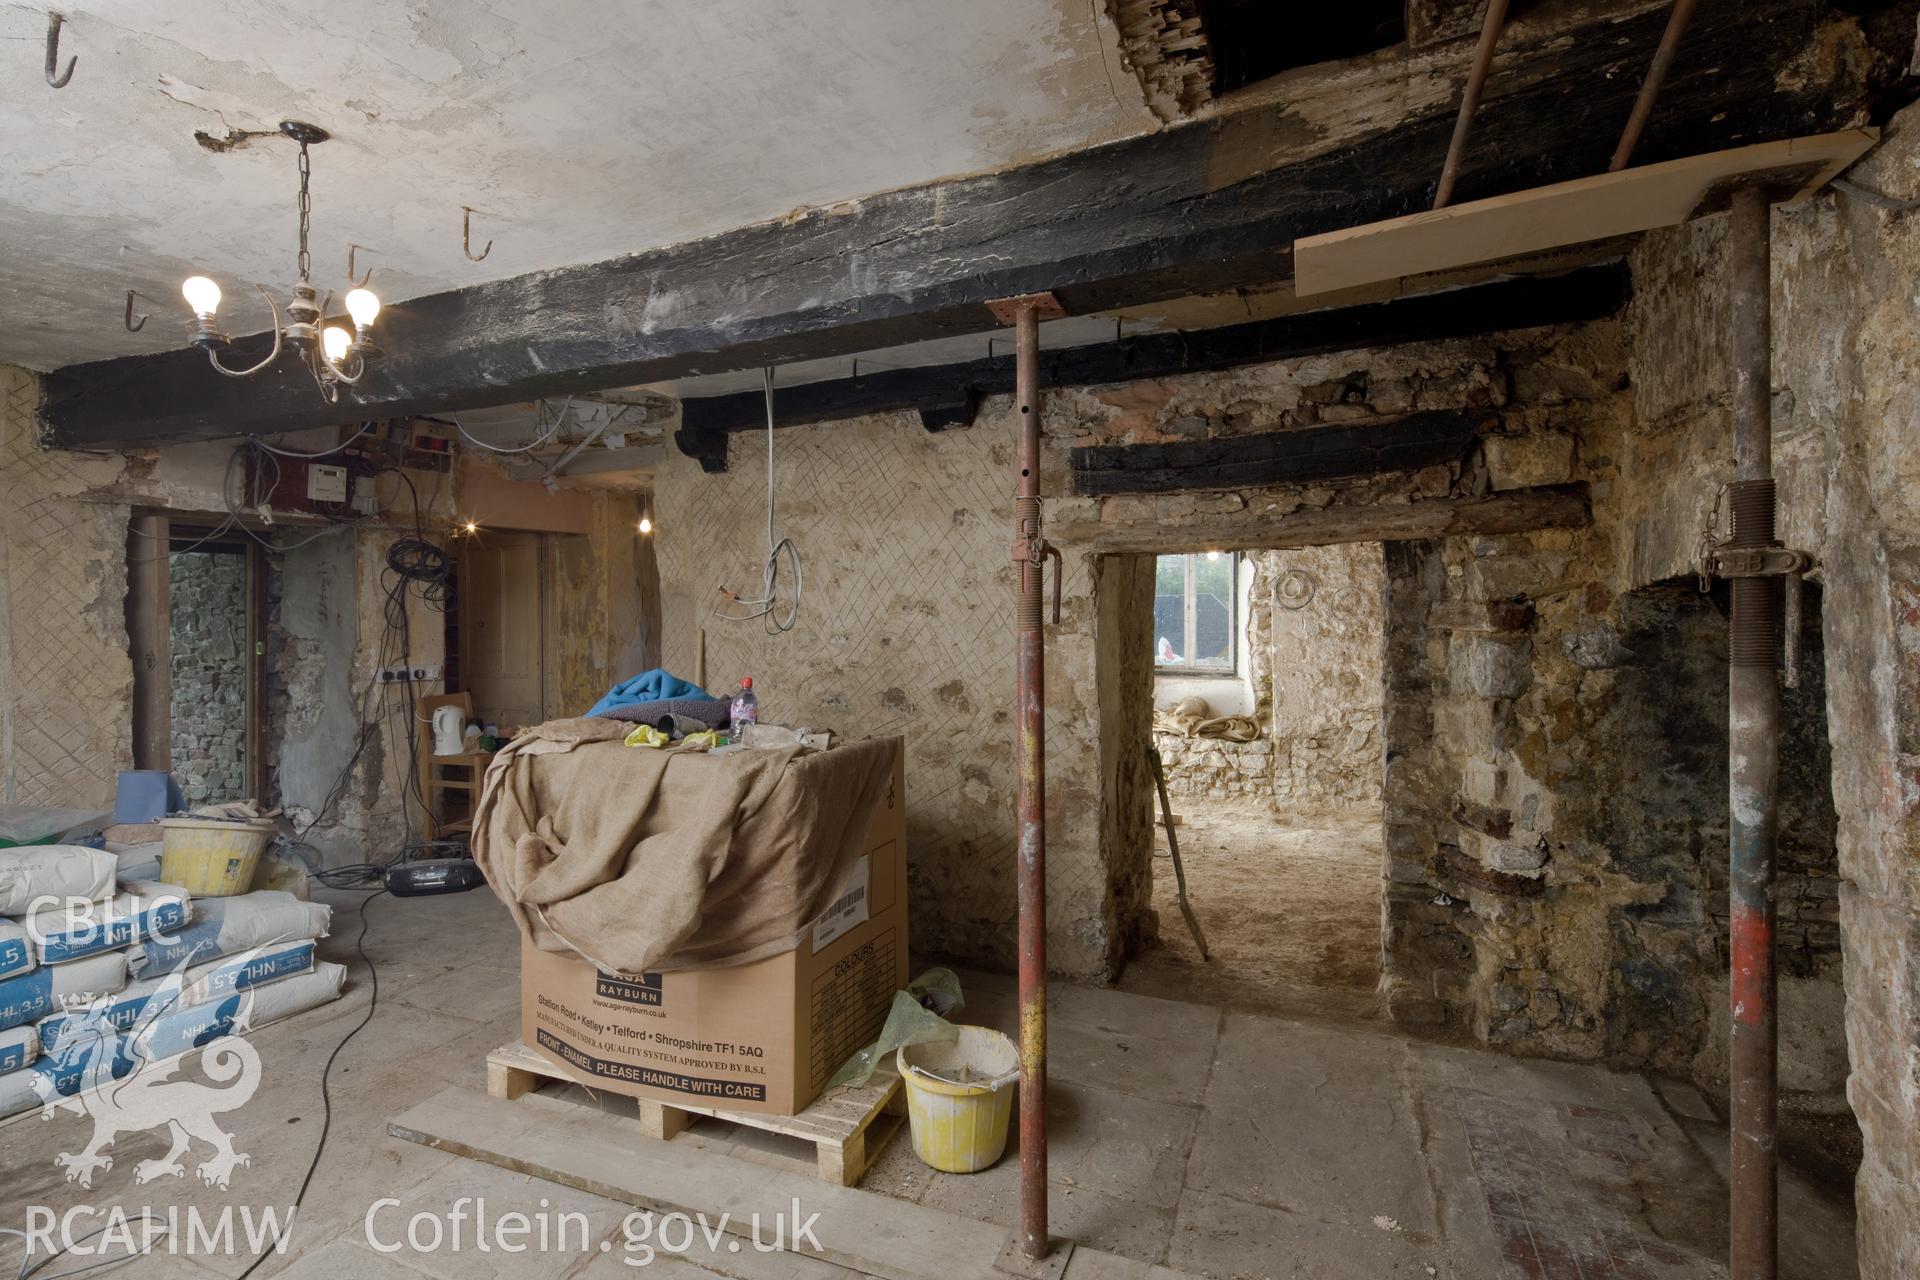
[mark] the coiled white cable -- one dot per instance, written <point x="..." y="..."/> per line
<point x="767" y="606"/>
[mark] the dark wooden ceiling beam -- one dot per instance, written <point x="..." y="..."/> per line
<point x="1554" y="506"/>
<point x="1200" y="208"/>
<point x="945" y="395"/>
<point x="1298" y="456"/>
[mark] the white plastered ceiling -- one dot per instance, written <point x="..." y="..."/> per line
<point x="577" y="131"/>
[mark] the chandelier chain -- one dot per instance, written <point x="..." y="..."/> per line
<point x="306" y="211"/>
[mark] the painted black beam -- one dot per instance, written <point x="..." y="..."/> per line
<point x="1208" y="206"/>
<point x="1296" y="456"/>
<point x="1522" y="303"/>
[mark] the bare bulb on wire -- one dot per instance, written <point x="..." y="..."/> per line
<point x="202" y="294"/>
<point x="363" y="306"/>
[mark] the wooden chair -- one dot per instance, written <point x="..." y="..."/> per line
<point x="469" y="767"/>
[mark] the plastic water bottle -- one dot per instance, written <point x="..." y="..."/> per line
<point x="745" y="712"/>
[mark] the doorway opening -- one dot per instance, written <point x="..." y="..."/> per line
<point x="197" y="616"/>
<point x="1267" y="693"/>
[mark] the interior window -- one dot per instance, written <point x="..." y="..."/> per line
<point x="1195" y="612"/>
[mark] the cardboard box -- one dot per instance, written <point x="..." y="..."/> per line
<point x="756" y="1037"/>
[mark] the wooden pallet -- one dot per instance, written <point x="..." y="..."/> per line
<point x="848" y="1127"/>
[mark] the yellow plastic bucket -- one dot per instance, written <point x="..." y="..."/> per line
<point x="212" y="859"/>
<point x="959" y="1098"/>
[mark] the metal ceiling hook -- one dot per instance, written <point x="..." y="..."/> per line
<point x="361" y="283"/>
<point x="58" y="81"/>
<point x="466" y="236"/>
<point x="132" y="325"/>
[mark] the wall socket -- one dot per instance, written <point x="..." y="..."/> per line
<point x="422" y="674"/>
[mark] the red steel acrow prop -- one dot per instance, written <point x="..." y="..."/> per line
<point x="1753" y="745"/>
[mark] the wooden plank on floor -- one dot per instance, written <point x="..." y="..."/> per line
<point x="862" y="1230"/>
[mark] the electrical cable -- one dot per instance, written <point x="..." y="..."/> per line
<point x="767" y="606"/>
<point x="256" y="497"/>
<point x="29" y="1268"/>
<point x="225" y="526"/>
<point x="294" y="453"/>
<point x="472" y="439"/>
<point x="326" y="1074"/>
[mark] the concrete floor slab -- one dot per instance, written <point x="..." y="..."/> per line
<point x="1231" y="1145"/>
<point x="1314" y="1120"/>
<point x="1219" y="1236"/>
<point x="619" y="1262"/>
<point x="345" y="1258"/>
<point x="1154" y="1052"/>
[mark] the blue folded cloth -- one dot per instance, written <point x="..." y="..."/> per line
<point x="649" y="686"/>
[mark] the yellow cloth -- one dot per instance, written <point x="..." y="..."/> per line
<point x="645" y="735"/>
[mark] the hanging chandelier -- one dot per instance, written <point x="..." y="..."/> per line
<point x="334" y="356"/>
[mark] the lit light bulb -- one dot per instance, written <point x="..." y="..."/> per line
<point x="202" y="294"/>
<point x="471" y="526"/>
<point x="334" y="341"/>
<point x="646" y="524"/>
<point x="362" y="306"/>
<point x="1212" y="556"/>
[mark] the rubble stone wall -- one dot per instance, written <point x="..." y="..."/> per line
<point x="1314" y="637"/>
<point x="1845" y="401"/>
<point x="207" y="625"/>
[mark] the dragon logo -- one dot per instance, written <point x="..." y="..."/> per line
<point x="127" y="1079"/>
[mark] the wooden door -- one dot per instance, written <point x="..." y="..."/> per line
<point x="503" y="620"/>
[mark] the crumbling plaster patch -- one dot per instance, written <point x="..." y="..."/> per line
<point x="66" y="677"/>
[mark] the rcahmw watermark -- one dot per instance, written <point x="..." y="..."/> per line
<point x="86" y="1230"/>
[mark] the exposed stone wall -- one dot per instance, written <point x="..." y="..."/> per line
<point x="907" y="627"/>
<point x="1845" y="276"/>
<point x="1313" y="633"/>
<point x="1322" y="610"/>
<point x="1216" y="769"/>
<point x="207" y="624"/>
